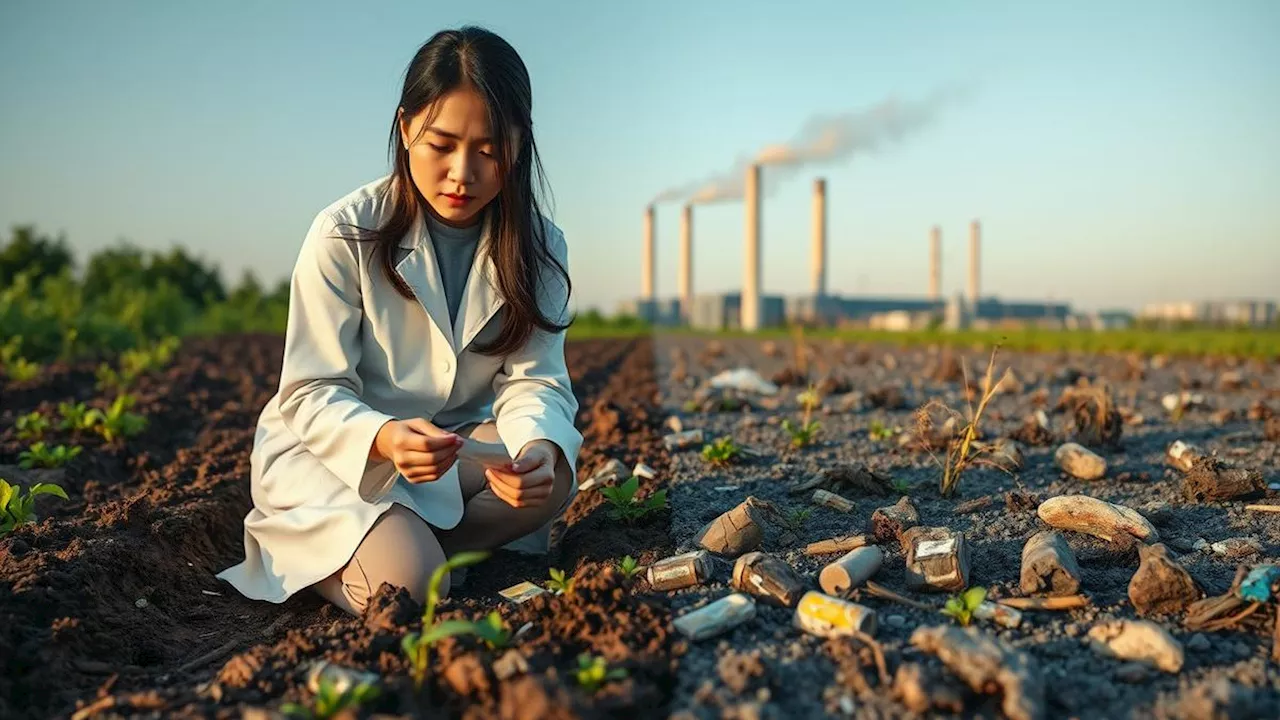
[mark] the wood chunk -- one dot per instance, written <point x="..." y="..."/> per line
<point x="888" y="523"/>
<point x="1161" y="585"/>
<point x="1209" y="481"/>
<point x="734" y="532"/>
<point x="988" y="665"/>
<point x="1049" y="566"/>
<point x="838" y="544"/>
<point x="973" y="505"/>
<point x="937" y="559"/>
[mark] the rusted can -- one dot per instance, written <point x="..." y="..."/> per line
<point x="683" y="440"/>
<point x="825" y="616"/>
<point x="832" y="500"/>
<point x="680" y="571"/>
<point x="998" y="614"/>
<point x="937" y="559"/>
<point x="768" y="578"/>
<point x="851" y="570"/>
<point x="718" y="617"/>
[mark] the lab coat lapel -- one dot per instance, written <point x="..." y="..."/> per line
<point x="420" y="270"/>
<point x="481" y="298"/>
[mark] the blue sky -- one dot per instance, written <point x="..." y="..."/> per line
<point x="1115" y="153"/>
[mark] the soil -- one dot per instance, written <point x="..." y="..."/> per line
<point x="111" y="607"/>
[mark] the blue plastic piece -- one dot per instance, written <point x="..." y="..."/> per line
<point x="1257" y="584"/>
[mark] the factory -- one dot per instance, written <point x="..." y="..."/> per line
<point x="751" y="309"/>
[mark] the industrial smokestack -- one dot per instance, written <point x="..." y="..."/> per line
<point x="935" y="263"/>
<point x="751" y="256"/>
<point x="646" y="257"/>
<point x="819" y="250"/>
<point x="684" y="275"/>
<point x="975" y="238"/>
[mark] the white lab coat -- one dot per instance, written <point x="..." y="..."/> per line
<point x="358" y="354"/>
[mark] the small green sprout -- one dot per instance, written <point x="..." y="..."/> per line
<point x="629" y="567"/>
<point x="75" y="417"/>
<point x="594" y="672"/>
<point x="559" y="583"/>
<point x="689" y="406"/>
<point x="22" y="369"/>
<point x="721" y="452"/>
<point x="329" y="702"/>
<point x="879" y="431"/>
<point x="901" y="486"/>
<point x="803" y="434"/>
<point x="809" y="399"/>
<point x="797" y="518"/>
<point x="417" y="646"/>
<point x="32" y="426"/>
<point x="43" y="456"/>
<point x="17" y="508"/>
<point x="626" y="507"/>
<point x="117" y="422"/>
<point x="493" y="631"/>
<point x="960" y="607"/>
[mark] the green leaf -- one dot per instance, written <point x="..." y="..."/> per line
<point x="628" y="489"/>
<point x="464" y="559"/>
<point x="48" y="489"/>
<point x="6" y="494"/>
<point x="974" y="596"/>
<point x="409" y="644"/>
<point x="447" y="628"/>
<point x="954" y="607"/>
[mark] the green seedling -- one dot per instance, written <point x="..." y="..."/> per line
<point x="629" y="567"/>
<point x="76" y="417"/>
<point x="803" y="434"/>
<point x="22" y="369"/>
<point x="493" y="631"/>
<point x="809" y="399"/>
<point x="901" y="486"/>
<point x="721" y="452"/>
<point x="960" y="607"/>
<point x="329" y="702"/>
<point x="17" y="508"/>
<point x="594" y="672"/>
<point x="559" y="583"/>
<point x="117" y="422"/>
<point x="879" y="431"/>
<point x="797" y="518"/>
<point x="32" y="426"/>
<point x="9" y="350"/>
<point x="40" y="455"/>
<point x="417" y="646"/>
<point x="625" y="505"/>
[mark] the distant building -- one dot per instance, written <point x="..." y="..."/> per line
<point x="1252" y="313"/>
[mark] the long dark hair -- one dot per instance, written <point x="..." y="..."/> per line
<point x="479" y="58"/>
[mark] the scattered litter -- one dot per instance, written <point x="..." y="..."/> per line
<point x="716" y="618"/>
<point x="1260" y="584"/>
<point x="210" y="592"/>
<point x="1237" y="547"/>
<point x="743" y="380"/>
<point x="644" y="471"/>
<point x="680" y="571"/>
<point x="937" y="559"/>
<point x="838" y="544"/>
<point x="850" y="571"/>
<point x="520" y="592"/>
<point x="736" y="531"/>
<point x="683" y="440"/>
<point x="833" y="501"/>
<point x="1183" y="455"/>
<point x="1048" y="565"/>
<point x="1060" y="602"/>
<point x="998" y="614"/>
<point x="769" y="578"/>
<point x="340" y="678"/>
<point x="888" y="523"/>
<point x="140" y="603"/>
<point x="986" y="665"/>
<point x="827" y="616"/>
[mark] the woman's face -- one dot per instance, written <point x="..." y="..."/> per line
<point x="453" y="160"/>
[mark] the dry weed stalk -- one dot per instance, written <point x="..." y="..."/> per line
<point x="960" y="455"/>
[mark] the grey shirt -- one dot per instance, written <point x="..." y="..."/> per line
<point x="455" y="249"/>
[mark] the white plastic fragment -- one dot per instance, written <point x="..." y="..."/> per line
<point x="743" y="379"/>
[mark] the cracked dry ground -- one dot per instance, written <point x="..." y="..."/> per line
<point x="110" y="606"/>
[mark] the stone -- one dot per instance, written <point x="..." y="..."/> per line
<point x="1080" y="462"/>
<point x="895" y="621"/>
<point x="1099" y="518"/>
<point x="1139" y="640"/>
<point x="986" y="665"/>
<point x="1237" y="547"/>
<point x="1049" y="566"/>
<point x="888" y="523"/>
<point x="1199" y="643"/>
<point x="1161" y="586"/>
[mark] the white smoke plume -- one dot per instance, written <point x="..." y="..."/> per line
<point x="824" y="138"/>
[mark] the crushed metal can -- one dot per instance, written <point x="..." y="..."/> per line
<point x="769" y="578"/>
<point x="680" y="571"/>
<point x="825" y="616"/>
<point x="716" y="618"/>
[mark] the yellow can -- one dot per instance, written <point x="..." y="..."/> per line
<point x="825" y="616"/>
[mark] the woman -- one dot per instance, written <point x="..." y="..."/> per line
<point x="427" y="311"/>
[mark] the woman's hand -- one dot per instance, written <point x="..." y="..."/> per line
<point x="421" y="451"/>
<point x="528" y="480"/>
